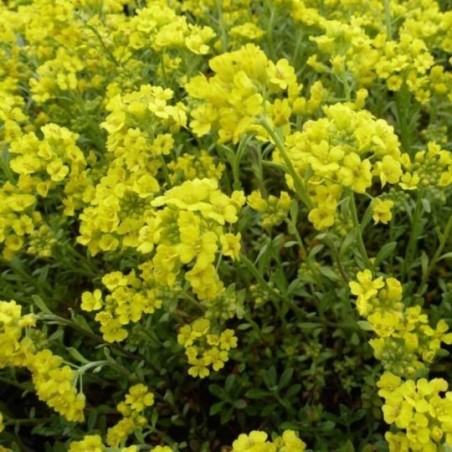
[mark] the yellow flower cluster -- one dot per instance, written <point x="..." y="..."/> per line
<point x="238" y="95"/>
<point x="272" y="210"/>
<point x="236" y="16"/>
<point x="76" y="50"/>
<point x="418" y="408"/>
<point x="195" y="165"/>
<point x="138" y="138"/>
<point x="93" y="443"/>
<point x="137" y="400"/>
<point x="429" y="168"/>
<point x="68" y="55"/>
<point x="190" y="229"/>
<point x="405" y="340"/>
<point x="42" y="165"/>
<point x="160" y="27"/>
<point x="54" y="383"/>
<point x="204" y="348"/>
<point x="361" y="43"/>
<point x="93" y="126"/>
<point x="17" y="218"/>
<point x="130" y="298"/>
<point x="346" y="149"/>
<point x="90" y="443"/>
<point x="347" y="46"/>
<point x="16" y="346"/>
<point x="257" y="441"/>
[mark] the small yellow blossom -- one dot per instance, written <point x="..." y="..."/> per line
<point x="92" y="301"/>
<point x="382" y="210"/>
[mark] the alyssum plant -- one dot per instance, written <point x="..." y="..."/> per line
<point x="225" y="225"/>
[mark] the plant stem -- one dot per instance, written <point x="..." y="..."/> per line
<point x="388" y="19"/>
<point x="442" y="243"/>
<point x="337" y="257"/>
<point x="223" y="33"/>
<point x="298" y="183"/>
<point x="357" y="226"/>
<point x="107" y="50"/>
<point x="415" y="230"/>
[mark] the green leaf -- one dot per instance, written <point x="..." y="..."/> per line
<point x="216" y="408"/>
<point x="364" y="325"/>
<point x="354" y="339"/>
<point x="385" y="251"/>
<point x="424" y="263"/>
<point x="347" y="447"/>
<point x="256" y="393"/>
<point x="294" y="210"/>
<point x="77" y="355"/>
<point x="240" y="404"/>
<point x="446" y="256"/>
<point x="269" y="410"/>
<point x="426" y="205"/>
<point x="315" y="250"/>
<point x="230" y="381"/>
<point x="327" y="426"/>
<point x="217" y="391"/>
<point x="154" y="418"/>
<point x="293" y="390"/>
<point x="349" y="239"/>
<point x="308" y="325"/>
<point x="80" y="321"/>
<point x="270" y="377"/>
<point x="329" y="273"/>
<point x="39" y="302"/>
<point x="285" y="378"/>
<point x="226" y="415"/>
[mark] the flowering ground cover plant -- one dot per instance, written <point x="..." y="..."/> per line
<point x="225" y="225"/>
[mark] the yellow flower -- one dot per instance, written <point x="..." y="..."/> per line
<point x="382" y="210"/>
<point x="215" y="357"/>
<point x="112" y="330"/>
<point x="92" y="301"/>
<point x="199" y="369"/>
<point x="90" y="443"/>
<point x="290" y="442"/>
<point x="230" y="245"/>
<point x="120" y="432"/>
<point x="57" y="170"/>
<point x="389" y="170"/>
<point x="281" y="74"/>
<point x="322" y="217"/>
<point x="254" y="441"/>
<point x="228" y="340"/>
<point x="139" y="397"/>
<point x="194" y="244"/>
<point x="355" y="173"/>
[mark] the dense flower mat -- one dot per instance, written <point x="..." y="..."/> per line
<point x="225" y="225"/>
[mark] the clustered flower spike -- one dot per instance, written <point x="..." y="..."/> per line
<point x="233" y="101"/>
<point x="345" y="150"/>
<point x="258" y="441"/>
<point x="53" y="382"/>
<point x="405" y="342"/>
<point x="420" y="412"/>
